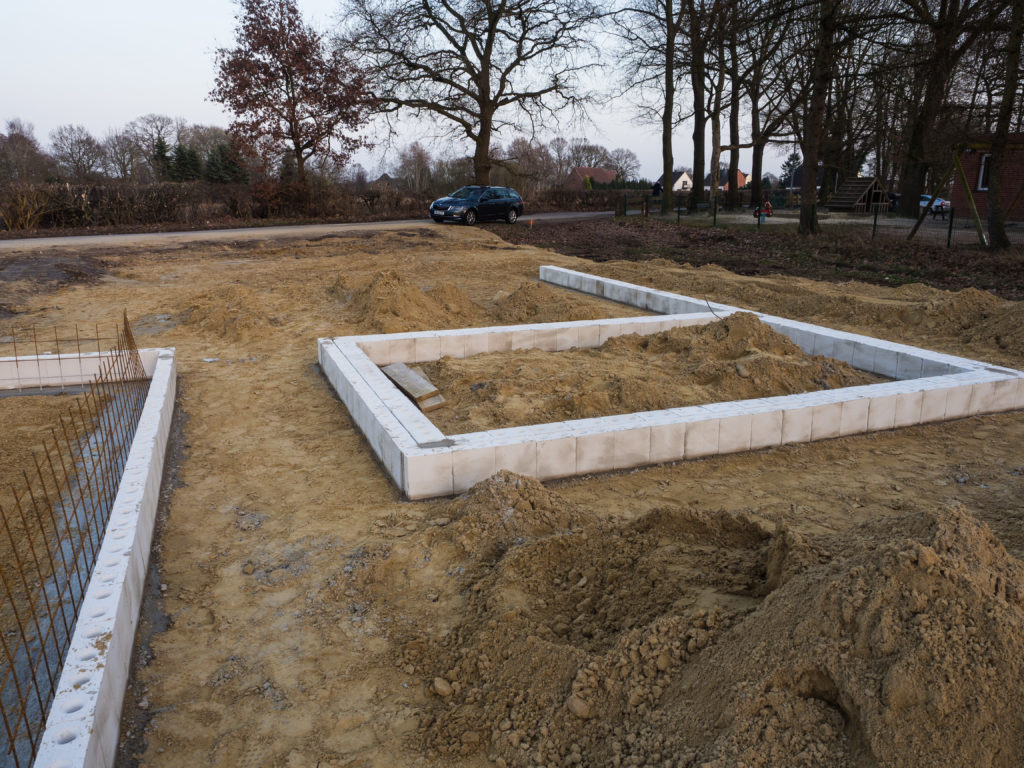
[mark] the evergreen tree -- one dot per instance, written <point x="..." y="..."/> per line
<point x="161" y="159"/>
<point x="789" y="167"/>
<point x="186" y="165"/>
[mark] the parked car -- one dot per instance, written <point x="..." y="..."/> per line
<point x="938" y="206"/>
<point x="478" y="203"/>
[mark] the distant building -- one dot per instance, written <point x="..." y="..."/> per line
<point x="976" y="161"/>
<point x="723" y="181"/>
<point x="386" y="180"/>
<point x="596" y="175"/>
<point x="681" y="181"/>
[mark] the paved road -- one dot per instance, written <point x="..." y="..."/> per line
<point x="250" y="233"/>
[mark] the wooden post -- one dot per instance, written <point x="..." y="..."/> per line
<point x="970" y="201"/>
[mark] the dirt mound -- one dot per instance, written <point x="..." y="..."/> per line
<point x="735" y="358"/>
<point x="705" y="639"/>
<point x="541" y="303"/>
<point x="391" y="304"/>
<point x="958" y="311"/>
<point x="503" y="511"/>
<point x="226" y="312"/>
<point x="1003" y="328"/>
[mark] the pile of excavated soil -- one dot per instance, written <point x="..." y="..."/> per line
<point x="542" y="303"/>
<point x="391" y="303"/>
<point x="707" y="638"/>
<point x="735" y="358"/>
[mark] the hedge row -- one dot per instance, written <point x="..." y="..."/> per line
<point x="57" y="206"/>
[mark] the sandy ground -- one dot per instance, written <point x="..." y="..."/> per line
<point x="855" y="602"/>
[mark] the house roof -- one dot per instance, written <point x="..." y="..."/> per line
<point x="599" y="175"/>
<point x="676" y="175"/>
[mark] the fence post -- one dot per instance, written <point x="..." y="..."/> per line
<point x="949" y="232"/>
<point x="874" y="227"/>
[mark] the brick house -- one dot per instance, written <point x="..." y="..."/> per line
<point x="723" y="181"/>
<point x="976" y="160"/>
<point x="578" y="175"/>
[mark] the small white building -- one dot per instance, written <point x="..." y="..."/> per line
<point x="681" y="181"/>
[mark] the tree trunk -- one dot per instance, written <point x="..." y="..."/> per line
<point x="757" y="159"/>
<point x="697" y="68"/>
<point x="669" y="107"/>
<point x="733" y="193"/>
<point x="997" y="181"/>
<point x="814" y="126"/>
<point x="716" y="133"/>
<point x="916" y="165"/>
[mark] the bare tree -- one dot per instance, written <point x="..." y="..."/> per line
<point x="626" y="164"/>
<point x="123" y="157"/>
<point x="21" y="158"/>
<point x="478" y="65"/>
<point x="999" y="174"/>
<point x="413" y="167"/>
<point x="78" y="153"/>
<point x="651" y="32"/>
<point x="289" y="93"/>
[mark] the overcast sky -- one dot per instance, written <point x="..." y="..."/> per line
<point x="103" y="63"/>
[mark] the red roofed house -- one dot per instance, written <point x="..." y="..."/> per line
<point x="596" y="175"/>
<point x="975" y="161"/>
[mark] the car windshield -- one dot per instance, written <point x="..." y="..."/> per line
<point x="464" y="193"/>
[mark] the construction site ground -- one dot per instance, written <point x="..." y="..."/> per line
<point x="852" y="602"/>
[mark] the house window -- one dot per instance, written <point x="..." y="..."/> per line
<point x="983" y="171"/>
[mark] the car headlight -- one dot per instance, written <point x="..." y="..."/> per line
<point x="457" y="209"/>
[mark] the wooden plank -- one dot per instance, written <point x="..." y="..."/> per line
<point x="431" y="403"/>
<point x="413" y="384"/>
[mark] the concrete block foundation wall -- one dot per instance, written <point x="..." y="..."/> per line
<point x="423" y="462"/>
<point x="82" y="727"/>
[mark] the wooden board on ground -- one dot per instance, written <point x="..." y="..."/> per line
<point x="415" y="385"/>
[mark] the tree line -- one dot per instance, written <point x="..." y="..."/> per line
<point x="887" y="87"/>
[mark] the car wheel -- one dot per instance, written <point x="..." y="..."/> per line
<point x="511" y="216"/>
<point x="470" y="217"/>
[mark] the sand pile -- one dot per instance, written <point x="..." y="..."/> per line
<point x="1003" y="328"/>
<point x="389" y="303"/>
<point x="541" y="303"/>
<point x="227" y="312"/>
<point x="735" y="358"/>
<point x="696" y="638"/>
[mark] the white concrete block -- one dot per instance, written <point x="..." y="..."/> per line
<point x="854" y="416"/>
<point x="882" y="412"/>
<point x="933" y="405"/>
<point x="428" y="474"/>
<point x="590" y="336"/>
<point x="1004" y="395"/>
<point x="546" y="338"/>
<point x="402" y="350"/>
<point x="521" y="338"/>
<point x="908" y="366"/>
<point x="520" y="458"/>
<point x="595" y="452"/>
<point x="908" y="408"/>
<point x="453" y="345"/>
<point x="668" y="441"/>
<point x="701" y="438"/>
<point x="958" y="402"/>
<point x="378" y="350"/>
<point x="826" y="420"/>
<point x="885" y="362"/>
<point x="982" y="397"/>
<point x="427" y="349"/>
<point x="734" y="433"/>
<point x="863" y="356"/>
<point x="471" y="465"/>
<point x="556" y="457"/>
<point x="477" y="343"/>
<point x="796" y="425"/>
<point x="765" y="429"/>
<point x="844" y="350"/>
<point x="823" y="343"/>
<point x="567" y="337"/>
<point x="632" y="447"/>
<point x="500" y="341"/>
